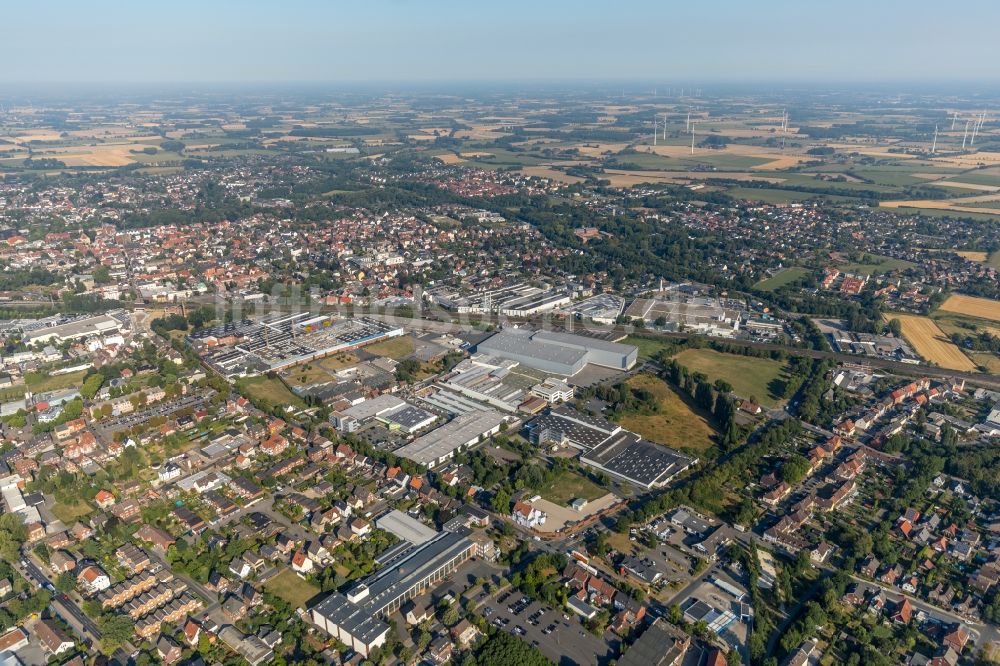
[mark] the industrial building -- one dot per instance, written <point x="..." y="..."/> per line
<point x="440" y="444"/>
<point x="553" y="390"/>
<point x="609" y="447"/>
<point x="558" y="353"/>
<point x="356" y="618"/>
<point x="603" y="308"/>
<point x="76" y="329"/>
<point x="281" y="341"/>
<point x="708" y="316"/>
<point x="394" y="413"/>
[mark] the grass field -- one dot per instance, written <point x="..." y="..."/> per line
<point x="395" y="348"/>
<point x="268" y="390"/>
<point x="568" y="486"/>
<point x="677" y="424"/>
<point x="782" y="278"/>
<point x="337" y="361"/>
<point x="930" y="342"/>
<point x="70" y="513"/>
<point x="983" y="308"/>
<point x="759" y="378"/>
<point x="876" y="264"/>
<point x="291" y="588"/>
<point x="40" y="382"/>
<point x="647" y="346"/>
<point x="306" y="375"/>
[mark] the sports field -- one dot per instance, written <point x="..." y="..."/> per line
<point x="930" y="342"/>
<point x="983" y="308"/>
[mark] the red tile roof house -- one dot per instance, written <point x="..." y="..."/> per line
<point x="104" y="499"/>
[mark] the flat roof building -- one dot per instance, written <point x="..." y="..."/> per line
<point x="558" y="353"/>
<point x="440" y="444"/>
<point x="406" y="528"/>
<point x="355" y="618"/>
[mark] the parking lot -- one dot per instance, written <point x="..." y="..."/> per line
<point x="560" y="637"/>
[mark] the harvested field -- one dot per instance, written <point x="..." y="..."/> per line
<point x="972" y="255"/>
<point x="983" y="308"/>
<point x="551" y="174"/>
<point x="449" y="158"/>
<point x="930" y="342"/>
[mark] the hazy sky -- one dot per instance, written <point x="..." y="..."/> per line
<point x="440" y="40"/>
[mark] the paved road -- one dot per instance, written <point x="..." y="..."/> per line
<point x="65" y="607"/>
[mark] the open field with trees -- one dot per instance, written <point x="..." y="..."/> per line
<point x="762" y="379"/>
<point x="675" y="423"/>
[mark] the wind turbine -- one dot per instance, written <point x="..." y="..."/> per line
<point x="664" y="127"/>
<point x="953" y="119"/>
<point x="654" y="129"/>
<point x="688" y="126"/>
<point x="692" y="139"/>
<point x="934" y="145"/>
<point x="966" y="135"/>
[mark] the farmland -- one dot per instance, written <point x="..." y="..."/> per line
<point x="930" y="342"/>
<point x="676" y="424"/>
<point x="983" y="308"/>
<point x="760" y="378"/>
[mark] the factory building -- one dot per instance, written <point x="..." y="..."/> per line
<point x="558" y="353"/>
<point x="357" y="617"/>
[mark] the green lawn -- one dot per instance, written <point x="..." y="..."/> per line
<point x="268" y="390"/>
<point x="648" y="347"/>
<point x="760" y="378"/>
<point x="70" y="513"/>
<point x="293" y="589"/>
<point x="774" y="195"/>
<point x="876" y="264"/>
<point x="782" y="278"/>
<point x="568" y="486"/>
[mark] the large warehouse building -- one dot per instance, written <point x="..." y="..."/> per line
<point x="558" y="353"/>
<point x="609" y="447"/>
<point x="440" y="444"/>
<point x="356" y="618"/>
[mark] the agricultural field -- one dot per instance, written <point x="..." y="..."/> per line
<point x="293" y="589"/>
<point x="973" y="255"/>
<point x="982" y="308"/>
<point x="782" y="278"/>
<point x="760" y="378"/>
<point x="932" y="344"/>
<point x="677" y="425"/>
